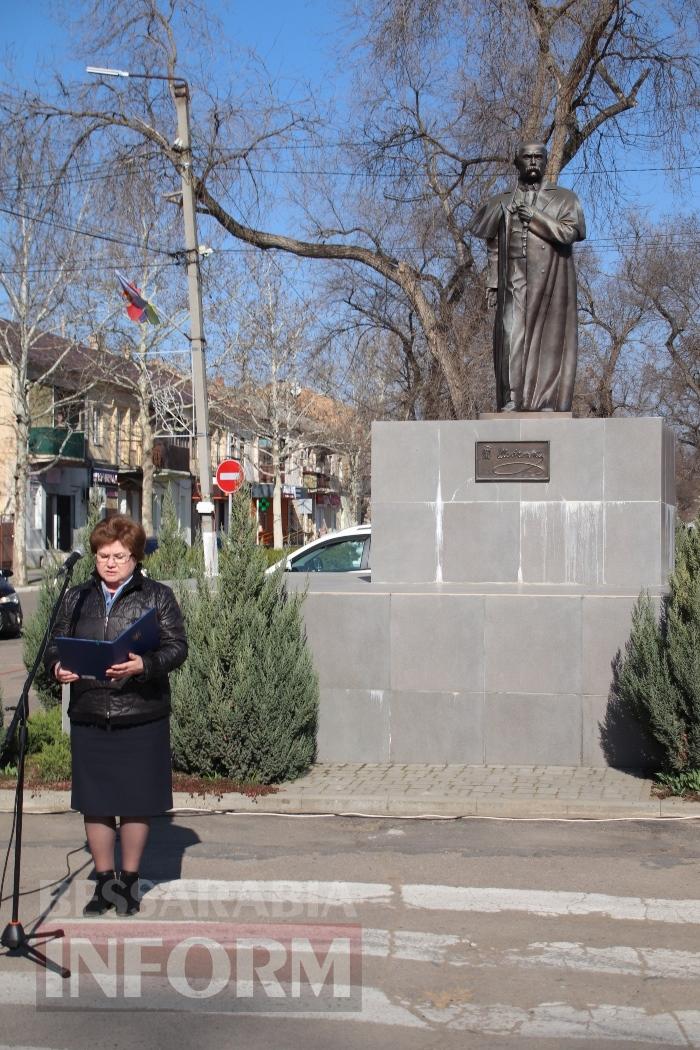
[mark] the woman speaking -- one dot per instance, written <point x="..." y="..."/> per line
<point x="120" y="727"/>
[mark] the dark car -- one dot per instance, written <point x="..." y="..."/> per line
<point x="10" y="608"/>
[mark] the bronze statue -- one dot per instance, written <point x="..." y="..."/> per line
<point x="532" y="284"/>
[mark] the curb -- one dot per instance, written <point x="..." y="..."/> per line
<point x="386" y="804"/>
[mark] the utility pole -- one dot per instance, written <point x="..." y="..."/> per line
<point x="205" y="506"/>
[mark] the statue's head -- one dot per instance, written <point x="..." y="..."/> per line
<point x="531" y="161"/>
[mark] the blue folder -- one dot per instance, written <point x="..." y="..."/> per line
<point x="90" y="658"/>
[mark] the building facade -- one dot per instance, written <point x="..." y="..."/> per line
<point x="87" y="445"/>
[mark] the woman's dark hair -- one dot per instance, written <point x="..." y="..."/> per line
<point x="122" y="529"/>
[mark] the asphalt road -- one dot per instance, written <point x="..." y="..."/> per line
<point x="468" y="933"/>
<point x="12" y="670"/>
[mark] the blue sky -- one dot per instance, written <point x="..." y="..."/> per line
<point x="291" y="35"/>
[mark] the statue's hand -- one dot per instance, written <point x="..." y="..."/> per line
<point x="491" y="297"/>
<point x="525" y="212"/>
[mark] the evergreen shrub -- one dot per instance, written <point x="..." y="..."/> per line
<point x="48" y="747"/>
<point x="658" y="678"/>
<point x="44" y="728"/>
<point x="245" y="703"/>
<point x="53" y="762"/>
<point x="174" y="559"/>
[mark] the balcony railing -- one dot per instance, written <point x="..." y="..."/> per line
<point x="51" y="442"/>
<point x="167" y="456"/>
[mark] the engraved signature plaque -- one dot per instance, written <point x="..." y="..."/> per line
<point x="512" y="461"/>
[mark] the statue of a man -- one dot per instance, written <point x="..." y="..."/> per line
<point x="532" y="284"/>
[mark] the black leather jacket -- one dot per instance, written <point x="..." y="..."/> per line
<point x="128" y="701"/>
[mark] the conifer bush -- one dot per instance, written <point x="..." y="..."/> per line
<point x="174" y="559"/>
<point x="658" y="679"/>
<point x="245" y="703"/>
<point x="53" y="762"/>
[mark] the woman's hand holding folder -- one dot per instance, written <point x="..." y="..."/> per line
<point x="132" y="666"/>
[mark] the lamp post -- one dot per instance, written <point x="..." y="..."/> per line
<point x="205" y="506"/>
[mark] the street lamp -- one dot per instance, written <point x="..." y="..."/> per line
<point x="205" y="506"/>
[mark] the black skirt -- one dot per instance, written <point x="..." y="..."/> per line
<point x="122" y="772"/>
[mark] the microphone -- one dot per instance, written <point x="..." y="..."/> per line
<point x="72" y="560"/>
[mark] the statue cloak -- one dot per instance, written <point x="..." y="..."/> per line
<point x="551" y="325"/>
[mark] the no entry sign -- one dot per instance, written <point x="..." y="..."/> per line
<point x="229" y="475"/>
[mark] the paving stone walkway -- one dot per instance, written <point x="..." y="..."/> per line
<point x="535" y="792"/>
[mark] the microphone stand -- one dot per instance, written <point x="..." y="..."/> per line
<point x="14" y="937"/>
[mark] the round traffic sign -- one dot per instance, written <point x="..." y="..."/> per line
<point x="229" y="475"/>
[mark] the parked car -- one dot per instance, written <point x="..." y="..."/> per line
<point x="10" y="608"/>
<point x="344" y="551"/>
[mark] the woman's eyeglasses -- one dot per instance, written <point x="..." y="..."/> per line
<point x="119" y="558"/>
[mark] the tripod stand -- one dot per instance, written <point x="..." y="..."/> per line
<point x="14" y="937"/>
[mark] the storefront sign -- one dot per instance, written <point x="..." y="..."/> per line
<point x="104" y="477"/>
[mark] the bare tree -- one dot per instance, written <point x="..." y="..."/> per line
<point x="40" y="253"/>
<point x="273" y="357"/>
<point x="449" y="87"/>
<point x="151" y="229"/>
<point x="668" y="277"/>
<point x="640" y="351"/>
<point x="614" y="316"/>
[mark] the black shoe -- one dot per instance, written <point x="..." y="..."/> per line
<point x="104" y="896"/>
<point x="126" y="890"/>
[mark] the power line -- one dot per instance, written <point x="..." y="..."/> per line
<point x="99" y="174"/>
<point x="603" y="243"/>
<point x="88" y="233"/>
<point x="75" y="268"/>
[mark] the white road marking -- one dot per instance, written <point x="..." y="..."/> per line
<point x="552" y="903"/>
<point x="596" y="1023"/>
<point x="486" y="899"/>
<point x="620" y="960"/>
<point x="561" y="1021"/>
<point x="259" y="890"/>
<point x="415" y="946"/>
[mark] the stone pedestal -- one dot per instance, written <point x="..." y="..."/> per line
<point x="606" y="517"/>
<point x="495" y="609"/>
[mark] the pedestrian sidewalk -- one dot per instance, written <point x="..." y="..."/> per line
<point x="535" y="792"/>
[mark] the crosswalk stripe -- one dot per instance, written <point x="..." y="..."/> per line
<point x="545" y="1021"/>
<point x="487" y="899"/>
<point x="416" y="946"/>
<point x="620" y="960"/>
<point x="552" y="903"/>
<point x="562" y="1021"/>
<point x="453" y="950"/>
<point x="288" y="890"/>
<point x="456" y="1011"/>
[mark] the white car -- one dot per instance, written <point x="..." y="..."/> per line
<point x="344" y="551"/>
